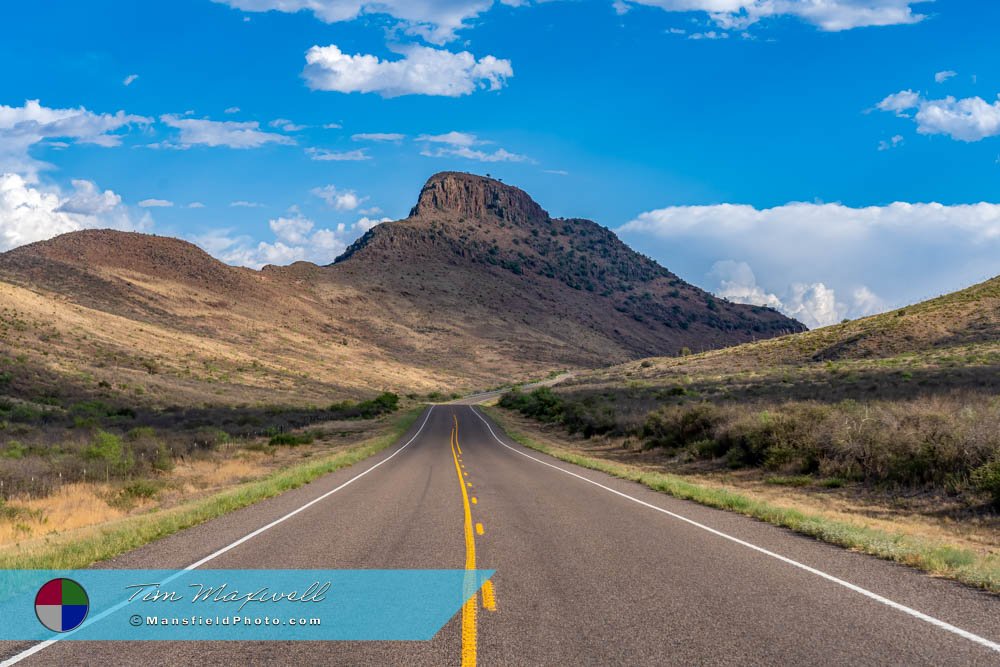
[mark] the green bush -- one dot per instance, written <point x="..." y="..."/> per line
<point x="987" y="478"/>
<point x="109" y="449"/>
<point x="675" y="427"/>
<point x="14" y="450"/>
<point x="292" y="439"/>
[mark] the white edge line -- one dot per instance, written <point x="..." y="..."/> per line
<point x="27" y="653"/>
<point x="819" y="573"/>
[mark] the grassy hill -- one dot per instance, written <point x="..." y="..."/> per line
<point x="906" y="400"/>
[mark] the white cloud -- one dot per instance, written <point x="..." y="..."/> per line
<point x="828" y="260"/>
<point x="232" y="110"/>
<point x="341" y="200"/>
<point x="287" y="125"/>
<point x="232" y="134"/>
<point x="710" y="34"/>
<point x="421" y="71"/>
<point x="899" y="103"/>
<point x="323" y="155"/>
<point x="556" y="172"/>
<point x="434" y="20"/>
<point x="23" y="127"/>
<point x="156" y="203"/>
<point x="941" y="77"/>
<point x="968" y="119"/>
<point x="462" y="145"/>
<point x="29" y="213"/>
<point x="378" y="136"/>
<point x="815" y="304"/>
<point x="366" y="223"/>
<point x="332" y="126"/>
<point x="828" y="15"/>
<point x="130" y="79"/>
<point x="890" y="143"/>
<point x="296" y="239"/>
<point x="245" y="204"/>
<point x="196" y="204"/>
<point x="87" y="199"/>
<point x="452" y="138"/>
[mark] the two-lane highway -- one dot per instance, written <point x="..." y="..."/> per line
<point x="589" y="570"/>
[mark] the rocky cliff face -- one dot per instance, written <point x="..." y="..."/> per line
<point x="454" y="194"/>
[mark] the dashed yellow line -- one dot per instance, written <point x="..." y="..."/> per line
<point x="479" y="529"/>
<point x="469" y="641"/>
<point x="489" y="597"/>
<point x="475" y="500"/>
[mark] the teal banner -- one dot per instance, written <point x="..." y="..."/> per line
<point x="232" y="605"/>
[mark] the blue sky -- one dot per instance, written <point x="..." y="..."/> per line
<point x="829" y="158"/>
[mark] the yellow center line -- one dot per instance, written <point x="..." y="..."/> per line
<point x="479" y="529"/>
<point x="489" y="598"/>
<point x="475" y="500"/>
<point x="469" y="608"/>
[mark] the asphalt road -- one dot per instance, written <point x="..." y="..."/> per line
<point x="590" y="570"/>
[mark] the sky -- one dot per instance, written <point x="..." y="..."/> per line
<point x="830" y="158"/>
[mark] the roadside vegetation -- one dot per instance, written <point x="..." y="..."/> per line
<point x="973" y="567"/>
<point x="90" y="544"/>
<point x="950" y="443"/>
<point x="63" y="467"/>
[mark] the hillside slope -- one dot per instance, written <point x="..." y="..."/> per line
<point x="477" y="286"/>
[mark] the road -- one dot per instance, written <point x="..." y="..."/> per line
<point x="590" y="570"/>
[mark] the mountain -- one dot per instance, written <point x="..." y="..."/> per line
<point x="568" y="288"/>
<point x="479" y="285"/>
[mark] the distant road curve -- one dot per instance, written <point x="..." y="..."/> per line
<point x="483" y="397"/>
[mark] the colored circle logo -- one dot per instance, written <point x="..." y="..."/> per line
<point x="61" y="605"/>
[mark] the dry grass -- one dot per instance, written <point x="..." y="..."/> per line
<point x="73" y="506"/>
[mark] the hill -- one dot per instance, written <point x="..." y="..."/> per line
<point x="902" y="399"/>
<point x="479" y="285"/>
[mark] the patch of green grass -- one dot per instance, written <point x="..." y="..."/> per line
<point x="789" y="480"/>
<point x="121" y="536"/>
<point x="292" y="439"/>
<point x="964" y="565"/>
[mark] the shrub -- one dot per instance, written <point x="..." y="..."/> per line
<point x="14" y="450"/>
<point x="987" y="478"/>
<point x="292" y="439"/>
<point x="674" y="427"/>
<point x="108" y="448"/>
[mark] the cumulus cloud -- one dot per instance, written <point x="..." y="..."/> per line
<point x="130" y="79"/>
<point x="968" y="119"/>
<point x="434" y="20"/>
<point x="296" y="238"/>
<point x="378" y="136"/>
<point x="30" y="213"/>
<point x="463" y="145"/>
<point x="828" y="15"/>
<point x="341" y="200"/>
<point x="941" y="77"/>
<point x="813" y="304"/>
<point x="231" y="134"/>
<point x="421" y="71"/>
<point x="23" y="127"/>
<point x="323" y="155"/>
<point x="823" y="262"/>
